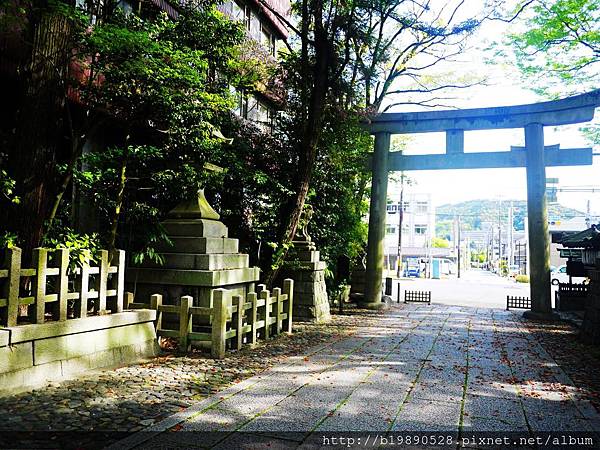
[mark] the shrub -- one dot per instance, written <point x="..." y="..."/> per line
<point x="522" y="278"/>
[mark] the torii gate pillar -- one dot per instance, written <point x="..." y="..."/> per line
<point x="377" y="214"/>
<point x="537" y="222"/>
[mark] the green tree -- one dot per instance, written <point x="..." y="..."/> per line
<point x="353" y="56"/>
<point x="558" y="45"/>
<point x="158" y="78"/>
<point x="155" y="89"/>
<point x="440" y="242"/>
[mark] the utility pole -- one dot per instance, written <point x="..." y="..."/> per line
<point x="510" y="235"/>
<point x="499" y="240"/>
<point x="458" y="224"/>
<point x="588" y="218"/>
<point x="526" y="226"/>
<point x="400" y="220"/>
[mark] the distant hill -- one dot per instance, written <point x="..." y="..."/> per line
<point x="474" y="212"/>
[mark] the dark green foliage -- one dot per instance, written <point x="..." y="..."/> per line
<point x="339" y="187"/>
<point x="255" y="186"/>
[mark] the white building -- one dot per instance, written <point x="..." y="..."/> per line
<point x="418" y="226"/>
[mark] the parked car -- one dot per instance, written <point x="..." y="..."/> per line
<point x="560" y="276"/>
<point x="412" y="272"/>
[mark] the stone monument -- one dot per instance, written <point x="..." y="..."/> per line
<point x="357" y="281"/>
<point x="304" y="266"/>
<point x="201" y="259"/>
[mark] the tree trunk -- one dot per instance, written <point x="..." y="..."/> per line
<point x="33" y="154"/>
<point x="114" y="223"/>
<point x="311" y="130"/>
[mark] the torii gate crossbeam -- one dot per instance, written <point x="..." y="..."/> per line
<point x="534" y="157"/>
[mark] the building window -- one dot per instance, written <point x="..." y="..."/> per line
<point x="264" y="117"/>
<point x="420" y="229"/>
<point x="251" y="108"/>
<point x="239" y="101"/>
<point x="390" y="230"/>
<point x="391" y="208"/>
<point x="422" y="207"/>
<point x="406" y="206"/>
<point x="267" y="40"/>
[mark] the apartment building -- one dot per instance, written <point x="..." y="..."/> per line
<point x="418" y="225"/>
<point x="265" y="28"/>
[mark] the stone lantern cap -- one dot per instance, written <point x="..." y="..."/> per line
<point x="196" y="208"/>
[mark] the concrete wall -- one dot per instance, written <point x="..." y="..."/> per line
<point x="31" y="355"/>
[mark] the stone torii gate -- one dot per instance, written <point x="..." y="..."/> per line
<point x="534" y="157"/>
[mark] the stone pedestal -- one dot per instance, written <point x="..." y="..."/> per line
<point x="201" y="259"/>
<point x="308" y="272"/>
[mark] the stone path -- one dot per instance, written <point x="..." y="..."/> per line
<point x="437" y="368"/>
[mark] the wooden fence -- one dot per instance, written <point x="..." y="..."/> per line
<point x="69" y="293"/>
<point x="573" y="290"/>
<point x="232" y="319"/>
<point x="571" y="297"/>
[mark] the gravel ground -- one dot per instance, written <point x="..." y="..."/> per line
<point x="114" y="403"/>
<point x="580" y="361"/>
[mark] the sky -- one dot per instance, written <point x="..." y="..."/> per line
<point x="504" y="88"/>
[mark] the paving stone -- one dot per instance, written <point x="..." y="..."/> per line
<point x="428" y="415"/>
<point x="495" y="408"/>
<point x="437" y="390"/>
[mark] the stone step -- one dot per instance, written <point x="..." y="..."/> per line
<point x="213" y="278"/>
<point x="202" y="245"/>
<point x="201" y="261"/>
<point x="195" y="228"/>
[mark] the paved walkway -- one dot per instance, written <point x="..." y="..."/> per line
<point x="431" y="368"/>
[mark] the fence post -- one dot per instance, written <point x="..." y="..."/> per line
<point x="40" y="262"/>
<point x="120" y="279"/>
<point x="288" y="289"/>
<point x="278" y="309"/>
<point x="155" y="304"/>
<point x="265" y="316"/>
<point x="82" y="284"/>
<point x="185" y="324"/>
<point x="60" y="308"/>
<point x="13" y="263"/>
<point x="252" y="298"/>
<point x="219" y="323"/>
<point x="101" y="282"/>
<point x="239" y="301"/>
<point x="128" y="299"/>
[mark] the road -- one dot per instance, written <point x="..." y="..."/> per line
<point x="477" y="288"/>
